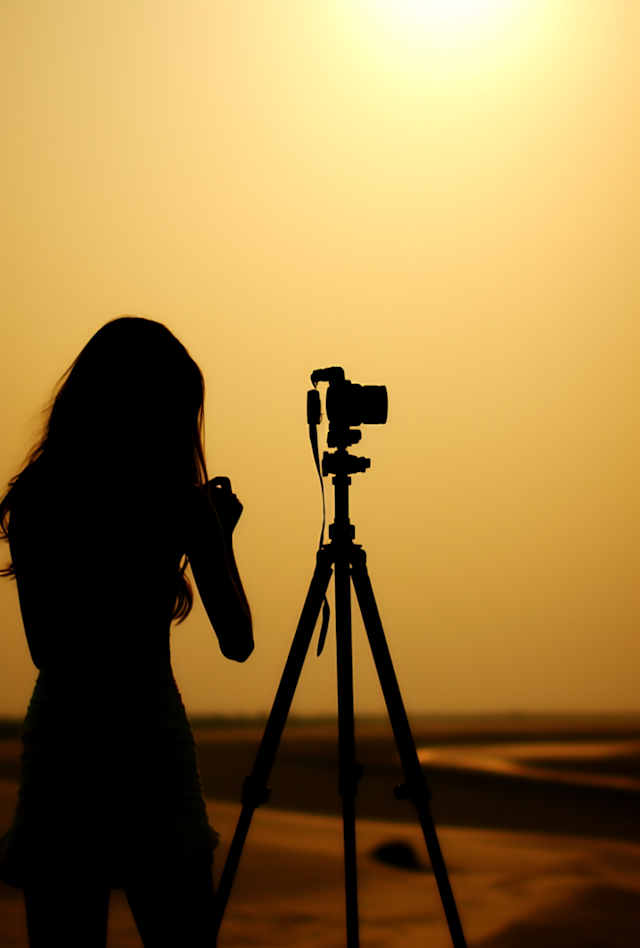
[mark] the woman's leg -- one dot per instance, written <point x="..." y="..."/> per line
<point x="73" y="915"/>
<point x="175" y="909"/>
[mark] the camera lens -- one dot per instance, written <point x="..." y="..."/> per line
<point x="351" y="404"/>
<point x="373" y="404"/>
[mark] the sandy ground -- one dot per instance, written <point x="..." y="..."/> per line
<point x="514" y="890"/>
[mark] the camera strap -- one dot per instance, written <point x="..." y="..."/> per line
<point x="314" y="417"/>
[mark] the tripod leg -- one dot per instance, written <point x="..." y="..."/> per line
<point x="347" y="779"/>
<point x="416" y="785"/>
<point x="255" y="790"/>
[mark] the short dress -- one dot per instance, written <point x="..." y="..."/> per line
<point x="109" y="789"/>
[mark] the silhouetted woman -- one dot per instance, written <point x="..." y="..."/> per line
<point x="101" y="521"/>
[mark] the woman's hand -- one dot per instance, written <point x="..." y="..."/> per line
<point x="226" y="504"/>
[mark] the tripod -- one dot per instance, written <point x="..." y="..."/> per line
<point x="349" y="560"/>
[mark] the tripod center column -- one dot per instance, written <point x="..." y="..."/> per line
<point x="341" y="530"/>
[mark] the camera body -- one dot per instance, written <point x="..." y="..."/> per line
<point x="348" y="406"/>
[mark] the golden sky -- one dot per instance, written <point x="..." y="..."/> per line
<point x="442" y="197"/>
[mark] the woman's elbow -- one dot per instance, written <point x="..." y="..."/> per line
<point x="237" y="646"/>
<point x="237" y="652"/>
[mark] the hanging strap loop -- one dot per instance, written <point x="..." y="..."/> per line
<point x="314" y="417"/>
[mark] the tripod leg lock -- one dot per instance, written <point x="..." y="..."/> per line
<point x="416" y="791"/>
<point x="254" y="794"/>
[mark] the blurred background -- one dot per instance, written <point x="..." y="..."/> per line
<point x="442" y="197"/>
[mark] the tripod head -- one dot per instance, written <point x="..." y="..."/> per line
<point x="348" y="406"/>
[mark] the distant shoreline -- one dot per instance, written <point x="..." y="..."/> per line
<point x="437" y="729"/>
<point x="437" y="726"/>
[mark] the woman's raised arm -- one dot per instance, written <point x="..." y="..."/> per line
<point x="212" y="514"/>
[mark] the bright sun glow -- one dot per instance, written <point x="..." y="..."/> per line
<point x="443" y="14"/>
<point x="448" y="36"/>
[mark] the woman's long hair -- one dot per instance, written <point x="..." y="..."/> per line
<point x="130" y="408"/>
